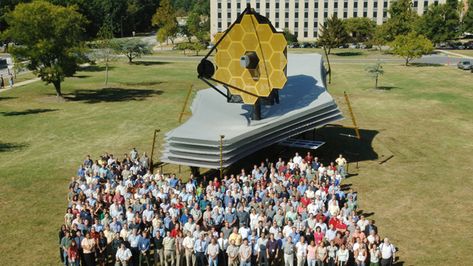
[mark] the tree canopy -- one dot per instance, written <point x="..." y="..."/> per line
<point x="49" y="39"/>
<point x="411" y="46"/>
<point x="402" y="20"/>
<point x="467" y="20"/>
<point x="131" y="48"/>
<point x="165" y="20"/>
<point x="360" y="29"/>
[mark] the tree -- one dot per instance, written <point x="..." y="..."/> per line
<point x="432" y="24"/>
<point x="290" y="37"/>
<point x="49" y="39"/>
<point x="198" y="24"/>
<point x="360" y="29"/>
<point x="165" y="19"/>
<point x="378" y="39"/>
<point x="402" y="20"/>
<point x="132" y="48"/>
<point x="452" y="19"/>
<point x="467" y="22"/>
<point x="332" y="34"/>
<point x="411" y="46"/>
<point x="105" y="47"/>
<point x="375" y="71"/>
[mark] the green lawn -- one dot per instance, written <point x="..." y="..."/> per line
<point x="463" y="52"/>
<point x="423" y="116"/>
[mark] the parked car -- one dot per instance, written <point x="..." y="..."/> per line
<point x="464" y="64"/>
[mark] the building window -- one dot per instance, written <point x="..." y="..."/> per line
<point x="325" y="5"/>
<point x="219" y="5"/>
<point x="325" y="14"/>
<point x="306" y="24"/>
<point x="238" y="5"/>
<point x="267" y="14"/>
<point x="296" y="24"/>
<point x="316" y="15"/>
<point x="365" y="4"/>
<point x="296" y="33"/>
<point x="306" y="5"/>
<point x="277" y="24"/>
<point x="306" y="34"/>
<point x="286" y="24"/>
<point x="385" y="14"/>
<point x="219" y="25"/>
<point x="229" y="15"/>
<point x="229" y="5"/>
<point x="306" y="14"/>
<point x="277" y="14"/>
<point x="345" y="5"/>
<point x="365" y="14"/>
<point x="355" y="14"/>
<point x="415" y="4"/>
<point x="345" y="15"/>
<point x="426" y="4"/>
<point x="375" y="14"/>
<point x="297" y="5"/>
<point x="355" y="5"/>
<point x="257" y="5"/>
<point x="219" y="15"/>
<point x="228" y="24"/>
<point x="385" y="4"/>
<point x="267" y="5"/>
<point x="375" y="4"/>
<point x="286" y="15"/>
<point x="277" y="5"/>
<point x="335" y="5"/>
<point x="286" y="5"/>
<point x="296" y="15"/>
<point x="316" y="5"/>
<point x="335" y="14"/>
<point x="315" y="33"/>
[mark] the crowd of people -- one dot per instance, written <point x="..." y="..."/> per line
<point x="281" y="213"/>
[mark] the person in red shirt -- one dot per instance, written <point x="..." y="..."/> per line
<point x="305" y="201"/>
<point x="337" y="224"/>
<point x="176" y="230"/>
<point x="308" y="158"/>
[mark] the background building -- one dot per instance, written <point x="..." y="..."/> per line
<point x="302" y="17"/>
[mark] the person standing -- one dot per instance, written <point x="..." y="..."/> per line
<point x="272" y="250"/>
<point x="158" y="248"/>
<point x="188" y="244"/>
<point x="321" y="254"/>
<point x="73" y="254"/>
<point x="2" y="82"/>
<point x="375" y="254"/>
<point x="212" y="252"/>
<point x="65" y="244"/>
<point x="288" y="249"/>
<point x="262" y="256"/>
<point x="332" y="253"/>
<point x="245" y="253"/>
<point x="88" y="247"/>
<point x="200" y="246"/>
<point x="222" y="244"/>
<point x="342" y="256"/>
<point x="301" y="248"/>
<point x="180" y="251"/>
<point x="388" y="253"/>
<point x="169" y="244"/>
<point x="143" y="246"/>
<point x="133" y="239"/>
<point x="311" y="249"/>
<point x="341" y="164"/>
<point x="232" y="252"/>
<point x="123" y="256"/>
<point x="10" y="80"/>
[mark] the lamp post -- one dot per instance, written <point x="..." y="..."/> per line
<point x="221" y="156"/>
<point x="152" y="149"/>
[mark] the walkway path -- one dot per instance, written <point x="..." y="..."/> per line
<point x="19" y="84"/>
<point x="455" y="54"/>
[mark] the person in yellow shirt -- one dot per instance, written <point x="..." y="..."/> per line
<point x="235" y="236"/>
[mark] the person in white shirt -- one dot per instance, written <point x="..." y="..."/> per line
<point x="123" y="255"/>
<point x="188" y="244"/>
<point x="388" y="253"/>
<point x="301" y="251"/>
<point x="212" y="252"/>
<point x="297" y="159"/>
<point x="244" y="231"/>
<point x="342" y="255"/>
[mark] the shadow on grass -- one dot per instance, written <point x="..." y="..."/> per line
<point x="8" y="147"/>
<point x="28" y="112"/>
<point x="112" y="95"/>
<point x="95" y="68"/>
<point x="386" y="88"/>
<point x="81" y="76"/>
<point x="348" y="53"/>
<point x="425" y="65"/>
<point x="7" y="98"/>
<point x="144" y="83"/>
<point x="149" y="63"/>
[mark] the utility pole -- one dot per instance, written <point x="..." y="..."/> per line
<point x="152" y="149"/>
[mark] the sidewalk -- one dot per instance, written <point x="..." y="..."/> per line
<point x="19" y="84"/>
<point x="454" y="54"/>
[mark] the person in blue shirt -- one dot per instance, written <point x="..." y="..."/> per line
<point x="143" y="247"/>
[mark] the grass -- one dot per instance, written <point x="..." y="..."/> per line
<point x="423" y="116"/>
